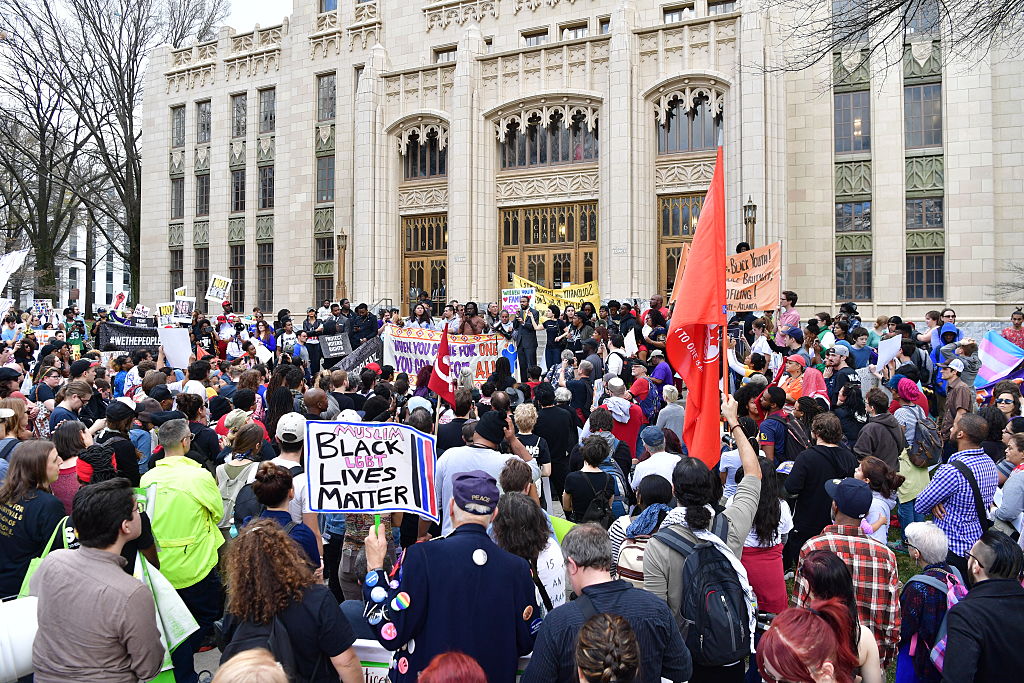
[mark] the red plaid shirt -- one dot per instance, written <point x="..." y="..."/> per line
<point x="876" y="582"/>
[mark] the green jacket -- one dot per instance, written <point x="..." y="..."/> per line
<point x="187" y="508"/>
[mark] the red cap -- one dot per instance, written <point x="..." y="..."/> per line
<point x="221" y="319"/>
<point x="797" y="358"/>
<point x="373" y="366"/>
<point x="225" y="303"/>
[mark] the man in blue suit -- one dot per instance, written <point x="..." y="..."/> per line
<point x="461" y="592"/>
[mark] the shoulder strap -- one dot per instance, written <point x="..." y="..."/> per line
<point x="720" y="527"/>
<point x="929" y="581"/>
<point x="8" y="447"/>
<point x="969" y="476"/>
<point x="676" y="541"/>
<point x="289" y="526"/>
<point x="49" y="544"/>
<point x="540" y="586"/>
<point x="586" y="606"/>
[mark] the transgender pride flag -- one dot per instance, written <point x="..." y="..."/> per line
<point x="999" y="358"/>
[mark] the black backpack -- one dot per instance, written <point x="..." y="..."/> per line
<point x="598" y="510"/>
<point x="713" y="608"/>
<point x="247" y="635"/>
<point x="797" y="438"/>
<point x="247" y="506"/>
<point x="927" y="450"/>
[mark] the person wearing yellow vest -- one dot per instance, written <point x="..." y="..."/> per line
<point x="187" y="508"/>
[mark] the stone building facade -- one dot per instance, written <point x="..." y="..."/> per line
<point x="380" y="148"/>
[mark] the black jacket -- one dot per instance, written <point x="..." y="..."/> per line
<point x="811" y="470"/>
<point x="985" y="632"/>
<point x="362" y="329"/>
<point x="450" y="435"/>
<point x="558" y="428"/>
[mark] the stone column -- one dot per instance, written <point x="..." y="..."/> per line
<point x="370" y="262"/>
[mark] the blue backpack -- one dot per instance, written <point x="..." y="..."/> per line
<point x="650" y="404"/>
<point x="611" y="468"/>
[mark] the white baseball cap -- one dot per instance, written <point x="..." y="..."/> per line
<point x="291" y="428"/>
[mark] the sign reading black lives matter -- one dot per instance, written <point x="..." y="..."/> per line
<point x="370" y="467"/>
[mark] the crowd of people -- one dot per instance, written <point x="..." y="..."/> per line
<point x="575" y="527"/>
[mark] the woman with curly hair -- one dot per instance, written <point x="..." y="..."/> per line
<point x="269" y="580"/>
<point x="251" y="380"/>
<point x="607" y="651"/>
<point x="521" y="528"/>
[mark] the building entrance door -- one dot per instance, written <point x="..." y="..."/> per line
<point x="554" y="246"/>
<point x="425" y="259"/>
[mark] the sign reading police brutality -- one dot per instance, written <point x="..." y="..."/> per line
<point x="752" y="279"/>
<point x="218" y="289"/>
<point x="370" y="467"/>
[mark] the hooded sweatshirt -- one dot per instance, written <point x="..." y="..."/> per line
<point x="883" y="438"/>
<point x="937" y="355"/>
<point x="972" y="364"/>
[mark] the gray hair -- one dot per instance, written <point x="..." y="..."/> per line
<point x="588" y="545"/>
<point x="616" y="387"/>
<point x="586" y="368"/>
<point x="670" y="393"/>
<point x="466" y="378"/>
<point x="172" y="432"/>
<point x="562" y="394"/>
<point x="568" y="355"/>
<point x="929" y="540"/>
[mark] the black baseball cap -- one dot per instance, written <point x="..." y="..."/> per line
<point x="852" y="496"/>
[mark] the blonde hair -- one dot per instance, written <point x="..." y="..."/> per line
<point x="525" y="416"/>
<point x="251" y="666"/>
<point x="670" y="393"/>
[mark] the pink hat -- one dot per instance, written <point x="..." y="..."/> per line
<point x="907" y="390"/>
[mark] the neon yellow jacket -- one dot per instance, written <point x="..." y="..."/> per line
<point x="185" y="515"/>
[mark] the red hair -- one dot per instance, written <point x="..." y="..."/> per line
<point x="801" y="640"/>
<point x="452" y="667"/>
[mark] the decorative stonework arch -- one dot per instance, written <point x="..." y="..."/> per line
<point x="688" y="88"/>
<point x="422" y="124"/>
<point x="523" y="110"/>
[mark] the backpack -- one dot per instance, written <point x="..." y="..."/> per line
<point x="248" y="506"/>
<point x="713" y="608"/>
<point x="927" y="450"/>
<point x="626" y="373"/>
<point x="797" y="438"/>
<point x="650" y="404"/>
<point x="598" y="510"/>
<point x="274" y="637"/>
<point x="229" y="490"/>
<point x="630" y="566"/>
<point x="612" y="469"/>
<point x="955" y="591"/>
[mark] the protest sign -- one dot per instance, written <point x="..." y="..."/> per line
<point x="887" y="350"/>
<point x="140" y="311"/>
<point x="370" y="467"/>
<point x="9" y="264"/>
<point x="114" y="337"/>
<point x="566" y="296"/>
<point x="371" y="351"/>
<point x="409" y="349"/>
<point x="177" y="346"/>
<point x="218" y="289"/>
<point x="377" y="660"/>
<point x="5" y="305"/>
<point x="752" y="279"/>
<point x="43" y="308"/>
<point x="184" y="306"/>
<point x="165" y="314"/>
<point x="180" y="291"/>
<point x="335" y="345"/>
<point x="119" y="302"/>
<point x="510" y="298"/>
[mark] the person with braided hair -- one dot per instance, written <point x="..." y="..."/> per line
<point x="607" y="651"/>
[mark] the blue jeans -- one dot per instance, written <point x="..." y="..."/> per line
<point x="906" y="513"/>
<point x="205" y="600"/>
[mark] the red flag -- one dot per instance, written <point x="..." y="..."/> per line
<point x="200" y="353"/>
<point x="694" y="334"/>
<point x="441" y="379"/>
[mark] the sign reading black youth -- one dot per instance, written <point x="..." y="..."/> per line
<point x="370" y="467"/>
<point x="335" y="345"/>
<point x="114" y="337"/>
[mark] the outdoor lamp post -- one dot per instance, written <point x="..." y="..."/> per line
<point x="750" y="219"/>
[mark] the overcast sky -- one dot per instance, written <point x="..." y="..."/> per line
<point x="247" y="13"/>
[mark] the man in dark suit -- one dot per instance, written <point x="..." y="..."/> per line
<point x="527" y="321"/>
<point x="461" y="592"/>
<point x="450" y="435"/>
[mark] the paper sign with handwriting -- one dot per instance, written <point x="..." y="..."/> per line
<point x="370" y="467"/>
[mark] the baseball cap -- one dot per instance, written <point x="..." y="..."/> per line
<point x="796" y="333"/>
<point x="852" y="496"/>
<point x="373" y="366"/>
<point x="515" y="397"/>
<point x="840" y="350"/>
<point x="492" y="426"/>
<point x="798" y="359"/>
<point x="225" y="304"/>
<point x="160" y="393"/>
<point x="656" y="353"/>
<point x="349" y="415"/>
<point x="166" y="416"/>
<point x="148" y="408"/>
<point x="954" y="364"/>
<point x="236" y="418"/>
<point x="420" y="402"/>
<point x="291" y="428"/>
<point x="117" y="411"/>
<point x="652" y="436"/>
<point x="8" y="374"/>
<point x="79" y="367"/>
<point x="475" y="491"/>
<point x="6" y="413"/>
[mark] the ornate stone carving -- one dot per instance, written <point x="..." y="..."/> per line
<point x="534" y="5"/>
<point x="547" y="187"/>
<point x="426" y="88"/>
<point x="324" y="139"/>
<point x="365" y="11"/>
<point x="447" y="12"/>
<point x="264" y="228"/>
<point x="687" y="92"/>
<point x="188" y="79"/>
<point x="427" y="199"/>
<point x="922" y="59"/>
<point x="422" y="127"/>
<point x="322" y="268"/>
<point x="925" y="174"/>
<point x="926" y="240"/>
<point x="683" y="175"/>
<point x="853" y="243"/>
<point x="525" y="112"/>
<point x="327" y="21"/>
<point x="323" y="221"/>
<point x="252" y="65"/>
<point x="192" y="66"/>
<point x="236" y="154"/>
<point x="177" y="167"/>
<point x="257" y="40"/>
<point x="364" y="36"/>
<point x="851" y="68"/>
<point x="200" y="233"/>
<point x="853" y="178"/>
<point x="202" y="158"/>
<point x="236" y="231"/>
<point x="265" y="150"/>
<point x="176" y="235"/>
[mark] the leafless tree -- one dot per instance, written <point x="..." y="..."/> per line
<point x="809" y="32"/>
<point x="197" y="20"/>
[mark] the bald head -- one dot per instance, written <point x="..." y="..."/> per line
<point x="315" y="401"/>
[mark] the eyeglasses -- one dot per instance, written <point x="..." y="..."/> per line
<point x="1004" y="401"/>
<point x="976" y="560"/>
<point x="950" y="315"/>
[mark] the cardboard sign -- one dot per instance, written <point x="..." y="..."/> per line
<point x="370" y="467"/>
<point x="573" y="296"/>
<point x="5" y="305"/>
<point x="407" y="349"/>
<point x="119" y="302"/>
<point x="335" y="345"/>
<point x="753" y="279"/>
<point x="140" y="311"/>
<point x="218" y="289"/>
<point x="165" y="314"/>
<point x="510" y="298"/>
<point x="184" y="306"/>
<point x="43" y="308"/>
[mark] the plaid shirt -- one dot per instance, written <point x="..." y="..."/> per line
<point x="876" y="582"/>
<point x="950" y="488"/>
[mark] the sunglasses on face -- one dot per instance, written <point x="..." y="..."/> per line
<point x="1004" y="401"/>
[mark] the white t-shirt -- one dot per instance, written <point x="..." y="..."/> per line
<point x="191" y="386"/>
<point x="300" y="503"/>
<point x="730" y="464"/>
<point x="785" y="526"/>
<point x="551" y="570"/>
<point x="660" y="463"/>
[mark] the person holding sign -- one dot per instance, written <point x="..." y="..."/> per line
<point x="428" y="612"/>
